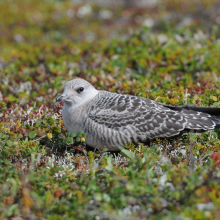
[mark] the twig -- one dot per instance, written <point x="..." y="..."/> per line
<point x="39" y="138"/>
<point x="200" y="160"/>
<point x="192" y="159"/>
<point x="101" y="157"/>
<point x="84" y="151"/>
<point x="158" y="164"/>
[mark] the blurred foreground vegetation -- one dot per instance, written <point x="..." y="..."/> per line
<point x="166" y="50"/>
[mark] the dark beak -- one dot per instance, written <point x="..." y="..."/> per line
<point x="60" y="97"/>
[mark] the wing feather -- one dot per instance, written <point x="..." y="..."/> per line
<point x="146" y="118"/>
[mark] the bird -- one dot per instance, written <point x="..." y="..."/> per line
<point x="111" y="120"/>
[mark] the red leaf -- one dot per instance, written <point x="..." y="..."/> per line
<point x="216" y="157"/>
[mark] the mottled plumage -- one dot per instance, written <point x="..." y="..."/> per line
<point x="110" y="120"/>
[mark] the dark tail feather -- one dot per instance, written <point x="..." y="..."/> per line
<point x="208" y="110"/>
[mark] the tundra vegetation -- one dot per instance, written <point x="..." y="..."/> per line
<point x="166" y="51"/>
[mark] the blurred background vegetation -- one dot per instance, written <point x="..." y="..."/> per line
<point x="44" y="43"/>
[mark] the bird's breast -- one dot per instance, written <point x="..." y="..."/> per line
<point x="72" y="119"/>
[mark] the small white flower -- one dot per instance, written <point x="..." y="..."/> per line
<point x="105" y="14"/>
<point x="149" y="22"/>
<point x="84" y="11"/>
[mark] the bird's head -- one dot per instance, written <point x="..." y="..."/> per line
<point x="77" y="92"/>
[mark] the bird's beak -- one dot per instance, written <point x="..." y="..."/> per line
<point x="60" y="97"/>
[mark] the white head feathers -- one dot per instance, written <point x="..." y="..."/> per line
<point x="77" y="92"/>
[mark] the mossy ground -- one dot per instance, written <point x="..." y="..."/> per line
<point x="168" y="51"/>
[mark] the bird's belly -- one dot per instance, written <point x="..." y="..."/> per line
<point x="111" y="139"/>
<point x="72" y="127"/>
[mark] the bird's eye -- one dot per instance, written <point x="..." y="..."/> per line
<point x="80" y="89"/>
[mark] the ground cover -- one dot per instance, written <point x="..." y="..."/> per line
<point x="167" y="51"/>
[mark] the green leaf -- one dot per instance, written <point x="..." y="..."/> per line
<point x="98" y="196"/>
<point x="64" y="141"/>
<point x="106" y="197"/>
<point x="9" y="143"/>
<point x="38" y="122"/>
<point x="56" y="120"/>
<point x="32" y="134"/>
<point x="214" y="98"/>
<point x="78" y="139"/>
<point x="80" y="132"/>
<point x="109" y="167"/>
<point x="15" y="143"/>
<point x="50" y="121"/>
<point x="20" y="136"/>
<point x="60" y="135"/>
<point x="126" y="153"/>
<point x="13" y="209"/>
<point x="67" y="134"/>
<point x="73" y="135"/>
<point x="130" y="186"/>
<point x="4" y="154"/>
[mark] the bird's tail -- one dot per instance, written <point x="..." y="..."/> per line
<point x="214" y="113"/>
<point x="216" y="119"/>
